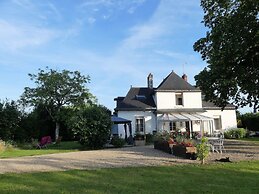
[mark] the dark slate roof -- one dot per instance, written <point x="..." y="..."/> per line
<point x="137" y="99"/>
<point x="175" y="82"/>
<point x="211" y="106"/>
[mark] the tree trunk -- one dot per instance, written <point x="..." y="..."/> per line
<point x="57" y="131"/>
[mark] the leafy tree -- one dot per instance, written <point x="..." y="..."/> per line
<point x="231" y="50"/>
<point x="92" y="125"/>
<point x="56" y="89"/>
<point x="10" y="118"/>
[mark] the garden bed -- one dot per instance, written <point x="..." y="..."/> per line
<point x="185" y="152"/>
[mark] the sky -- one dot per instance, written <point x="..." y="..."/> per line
<point x="116" y="42"/>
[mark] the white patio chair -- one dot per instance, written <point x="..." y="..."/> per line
<point x="219" y="145"/>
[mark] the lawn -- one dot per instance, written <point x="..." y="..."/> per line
<point x="253" y="139"/>
<point x="27" y="150"/>
<point x="215" y="178"/>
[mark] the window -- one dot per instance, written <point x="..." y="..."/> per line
<point x="217" y="122"/>
<point x="179" y="99"/>
<point x="140" y="124"/>
<point x="172" y="126"/>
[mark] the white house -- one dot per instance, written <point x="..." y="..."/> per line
<point x="174" y="104"/>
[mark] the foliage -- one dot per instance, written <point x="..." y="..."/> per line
<point x="10" y="118"/>
<point x="162" y="136"/>
<point x="139" y="136"/>
<point x="2" y="146"/>
<point x="202" y="150"/>
<point x="149" y="138"/>
<point x="117" y="142"/>
<point x="56" y="89"/>
<point x="235" y="133"/>
<point x="6" y="146"/>
<point x="92" y="126"/>
<point x="231" y="50"/>
<point x="250" y="121"/>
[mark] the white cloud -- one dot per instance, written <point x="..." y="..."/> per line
<point x="91" y="20"/>
<point x="142" y="36"/>
<point x="14" y="36"/>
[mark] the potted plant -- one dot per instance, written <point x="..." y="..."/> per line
<point x="139" y="139"/>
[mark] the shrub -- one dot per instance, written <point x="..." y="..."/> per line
<point x="117" y="142"/>
<point x="149" y="138"/>
<point x="235" y="133"/>
<point x="92" y="126"/>
<point x="203" y="150"/>
<point x="162" y="136"/>
<point x="2" y="146"/>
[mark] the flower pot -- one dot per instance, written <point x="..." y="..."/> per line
<point x="140" y="142"/>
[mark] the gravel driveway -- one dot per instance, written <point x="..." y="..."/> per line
<point x="123" y="157"/>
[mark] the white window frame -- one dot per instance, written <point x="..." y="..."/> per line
<point x="177" y="97"/>
<point x="217" y="122"/>
<point x="140" y="127"/>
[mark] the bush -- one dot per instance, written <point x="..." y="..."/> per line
<point x="235" y="133"/>
<point x="117" y="142"/>
<point x="2" y="146"/>
<point x="203" y="150"/>
<point x="92" y="126"/>
<point x="149" y="138"/>
<point x="250" y="121"/>
<point x="162" y="136"/>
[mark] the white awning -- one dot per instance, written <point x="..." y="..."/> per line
<point x="183" y="117"/>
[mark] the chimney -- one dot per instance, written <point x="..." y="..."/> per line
<point x="184" y="77"/>
<point x="150" y="81"/>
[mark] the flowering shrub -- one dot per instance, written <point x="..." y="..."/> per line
<point x="162" y="136"/>
<point x="178" y="137"/>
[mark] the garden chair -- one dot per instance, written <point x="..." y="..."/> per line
<point x="44" y="142"/>
<point x="218" y="145"/>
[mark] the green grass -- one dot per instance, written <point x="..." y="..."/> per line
<point x="217" y="178"/>
<point x="252" y="139"/>
<point x="27" y="150"/>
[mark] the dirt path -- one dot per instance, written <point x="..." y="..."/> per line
<point x="123" y="157"/>
<point x="108" y="158"/>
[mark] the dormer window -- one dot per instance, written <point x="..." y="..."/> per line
<point x="179" y="99"/>
<point x="140" y="97"/>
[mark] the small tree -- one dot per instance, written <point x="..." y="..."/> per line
<point x="203" y="150"/>
<point x="92" y="125"/>
<point x="56" y="89"/>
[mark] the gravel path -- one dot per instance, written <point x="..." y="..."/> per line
<point x="123" y="157"/>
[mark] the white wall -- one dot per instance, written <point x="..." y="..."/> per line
<point x="192" y="100"/>
<point x="166" y="100"/>
<point x="150" y="121"/>
<point x="228" y="117"/>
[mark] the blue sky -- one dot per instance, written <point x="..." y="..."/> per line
<point x="117" y="42"/>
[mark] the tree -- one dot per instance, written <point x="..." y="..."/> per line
<point x="56" y="89"/>
<point x="203" y="150"/>
<point x="10" y="118"/>
<point x="231" y="49"/>
<point x="92" y="125"/>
